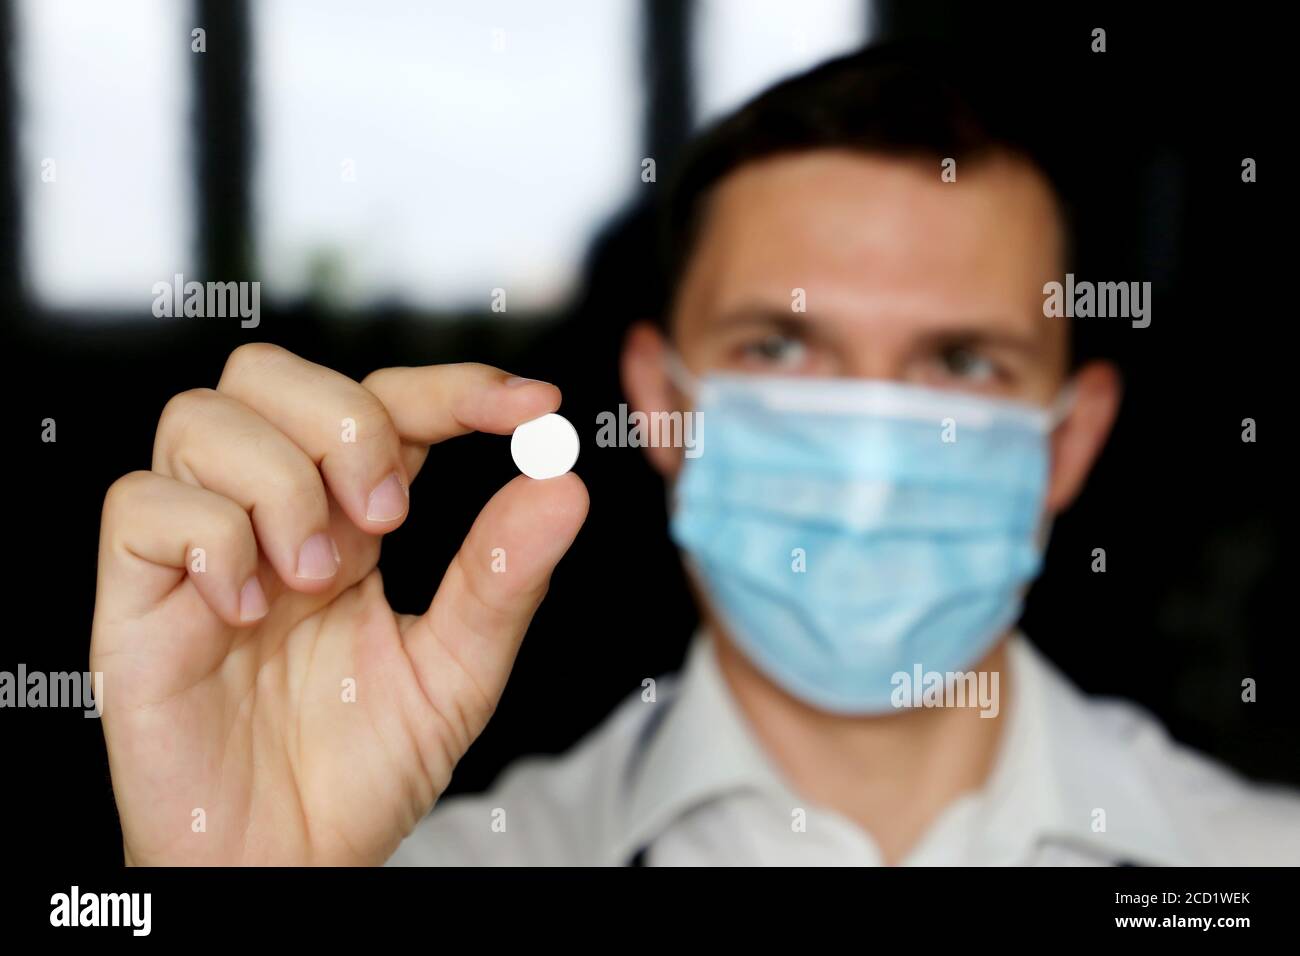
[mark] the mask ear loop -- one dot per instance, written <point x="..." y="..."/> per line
<point x="678" y="373"/>
<point x="687" y="384"/>
<point x="1062" y="406"/>
<point x="1057" y="412"/>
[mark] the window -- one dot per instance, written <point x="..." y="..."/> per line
<point x="405" y="153"/>
<point x="740" y="47"/>
<point x="103" y="155"/>
<point x="430" y="153"/>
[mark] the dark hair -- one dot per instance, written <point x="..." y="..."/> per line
<point x="922" y="100"/>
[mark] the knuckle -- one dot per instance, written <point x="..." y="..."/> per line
<point x="377" y="378"/>
<point x="295" y="487"/>
<point x="182" y="407"/>
<point x="123" y="491"/>
<point x="251" y="356"/>
<point x="373" y="424"/>
<point x="175" y="423"/>
<point x="302" y="489"/>
<point x="229" y="524"/>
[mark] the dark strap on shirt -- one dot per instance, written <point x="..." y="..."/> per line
<point x="646" y="734"/>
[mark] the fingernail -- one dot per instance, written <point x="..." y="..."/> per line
<point x="514" y="381"/>
<point x="252" y="600"/>
<point x="388" y="501"/>
<point x="318" y="558"/>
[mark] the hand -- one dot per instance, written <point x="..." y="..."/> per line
<point x="262" y="702"/>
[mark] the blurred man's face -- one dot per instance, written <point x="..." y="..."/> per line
<point x="904" y="277"/>
<point x="846" y="264"/>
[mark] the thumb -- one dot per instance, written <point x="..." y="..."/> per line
<point x="464" y="646"/>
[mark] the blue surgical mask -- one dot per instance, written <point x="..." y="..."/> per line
<point x="848" y="530"/>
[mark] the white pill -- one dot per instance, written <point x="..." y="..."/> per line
<point x="546" y="447"/>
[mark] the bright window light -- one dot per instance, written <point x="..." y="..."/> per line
<point x="429" y="154"/>
<point x="742" y="46"/>
<point x="104" y="176"/>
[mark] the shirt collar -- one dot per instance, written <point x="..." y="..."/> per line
<point x="1071" y="762"/>
<point x="1054" y="769"/>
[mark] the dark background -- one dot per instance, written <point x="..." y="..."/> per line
<point x="1193" y="599"/>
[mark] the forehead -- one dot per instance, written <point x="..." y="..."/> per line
<point x="867" y="234"/>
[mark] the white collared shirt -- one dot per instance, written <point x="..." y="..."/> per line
<point x="682" y="781"/>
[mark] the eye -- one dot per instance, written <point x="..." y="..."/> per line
<point x="777" y="349"/>
<point x="968" y="365"/>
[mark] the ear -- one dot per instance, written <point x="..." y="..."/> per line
<point x="1080" y="437"/>
<point x="645" y="381"/>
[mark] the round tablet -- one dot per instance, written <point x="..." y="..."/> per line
<point x="546" y="447"/>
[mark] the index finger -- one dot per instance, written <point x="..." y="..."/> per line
<point x="432" y="403"/>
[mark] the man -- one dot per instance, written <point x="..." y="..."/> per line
<point x="890" y="421"/>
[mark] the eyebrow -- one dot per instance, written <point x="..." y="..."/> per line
<point x="958" y="334"/>
<point x="965" y="336"/>
<point x="766" y="315"/>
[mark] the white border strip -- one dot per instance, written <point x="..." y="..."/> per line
<point x="859" y="396"/>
